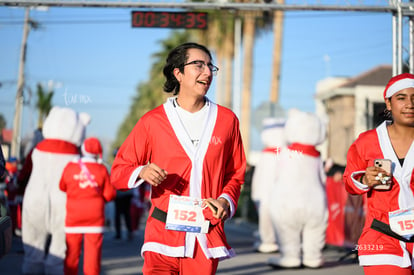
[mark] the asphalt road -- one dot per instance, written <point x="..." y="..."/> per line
<point x="122" y="257"/>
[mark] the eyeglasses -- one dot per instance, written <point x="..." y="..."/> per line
<point x="201" y="65"/>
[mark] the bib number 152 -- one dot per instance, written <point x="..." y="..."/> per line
<point x="185" y="215"/>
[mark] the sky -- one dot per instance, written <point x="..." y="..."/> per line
<point x="95" y="59"/>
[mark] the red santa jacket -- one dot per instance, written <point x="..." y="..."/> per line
<point x="86" y="195"/>
<point x="375" y="247"/>
<point x="216" y="167"/>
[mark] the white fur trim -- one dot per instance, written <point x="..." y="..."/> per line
<point x="218" y="252"/>
<point x="384" y="259"/>
<point x="170" y="251"/>
<point x="357" y="183"/>
<point x="401" y="174"/>
<point x="387" y="259"/>
<point x="84" y="229"/>
<point x="232" y="208"/>
<point x="132" y="182"/>
<point x="398" y="86"/>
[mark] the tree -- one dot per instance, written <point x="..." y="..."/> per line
<point x="248" y="46"/>
<point x="254" y="23"/>
<point x="219" y="37"/>
<point x="277" y="53"/>
<point x="43" y="104"/>
<point x="150" y="94"/>
<point x="2" y="123"/>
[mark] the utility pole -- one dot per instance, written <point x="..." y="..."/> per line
<point x="277" y="53"/>
<point x="16" y="141"/>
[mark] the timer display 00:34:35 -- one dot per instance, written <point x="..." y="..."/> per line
<point x="186" y="20"/>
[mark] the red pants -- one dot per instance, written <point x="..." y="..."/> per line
<point x="387" y="270"/>
<point x="390" y="269"/>
<point x="158" y="264"/>
<point x="92" y="251"/>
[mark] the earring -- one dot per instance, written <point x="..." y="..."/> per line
<point x="387" y="114"/>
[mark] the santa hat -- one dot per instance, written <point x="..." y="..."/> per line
<point x="91" y="147"/>
<point x="398" y="83"/>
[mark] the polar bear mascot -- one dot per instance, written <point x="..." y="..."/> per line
<point x="273" y="138"/>
<point x="44" y="204"/>
<point x="299" y="207"/>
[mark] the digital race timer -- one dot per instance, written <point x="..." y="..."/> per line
<point x="186" y="20"/>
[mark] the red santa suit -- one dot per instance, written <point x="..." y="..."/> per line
<point x="87" y="185"/>
<point x="376" y="248"/>
<point x="215" y="168"/>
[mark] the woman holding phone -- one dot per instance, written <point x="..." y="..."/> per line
<point x="380" y="164"/>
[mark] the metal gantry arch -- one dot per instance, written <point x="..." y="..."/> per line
<point x="402" y="13"/>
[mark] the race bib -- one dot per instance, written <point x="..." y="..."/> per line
<point x="186" y="214"/>
<point x="402" y="222"/>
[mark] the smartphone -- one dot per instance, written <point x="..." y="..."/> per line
<point x="386" y="165"/>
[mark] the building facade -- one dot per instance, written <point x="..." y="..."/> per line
<point x="350" y="106"/>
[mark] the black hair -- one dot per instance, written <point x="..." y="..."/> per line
<point x="176" y="59"/>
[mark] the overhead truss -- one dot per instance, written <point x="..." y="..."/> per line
<point x="400" y="9"/>
<point x="344" y="5"/>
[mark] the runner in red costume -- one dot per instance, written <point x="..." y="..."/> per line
<point x="86" y="183"/>
<point x="384" y="246"/>
<point x="192" y="148"/>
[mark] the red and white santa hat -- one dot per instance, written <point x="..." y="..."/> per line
<point x="91" y="147"/>
<point x="398" y="83"/>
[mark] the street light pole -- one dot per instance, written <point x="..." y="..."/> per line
<point x="16" y="141"/>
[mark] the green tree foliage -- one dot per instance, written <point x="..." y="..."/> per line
<point x="43" y="104"/>
<point x="150" y="94"/>
<point x="2" y="122"/>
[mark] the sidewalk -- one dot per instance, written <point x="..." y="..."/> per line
<point x="122" y="257"/>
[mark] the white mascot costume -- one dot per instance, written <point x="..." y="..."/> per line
<point x="273" y="139"/>
<point x="44" y="205"/>
<point x="299" y="206"/>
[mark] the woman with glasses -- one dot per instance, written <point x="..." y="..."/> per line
<point x="190" y="151"/>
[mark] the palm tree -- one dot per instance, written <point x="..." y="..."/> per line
<point x="227" y="59"/>
<point x="150" y="93"/>
<point x="277" y="52"/>
<point x="254" y="22"/>
<point x="219" y="37"/>
<point x="43" y="104"/>
<point x="248" y="46"/>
